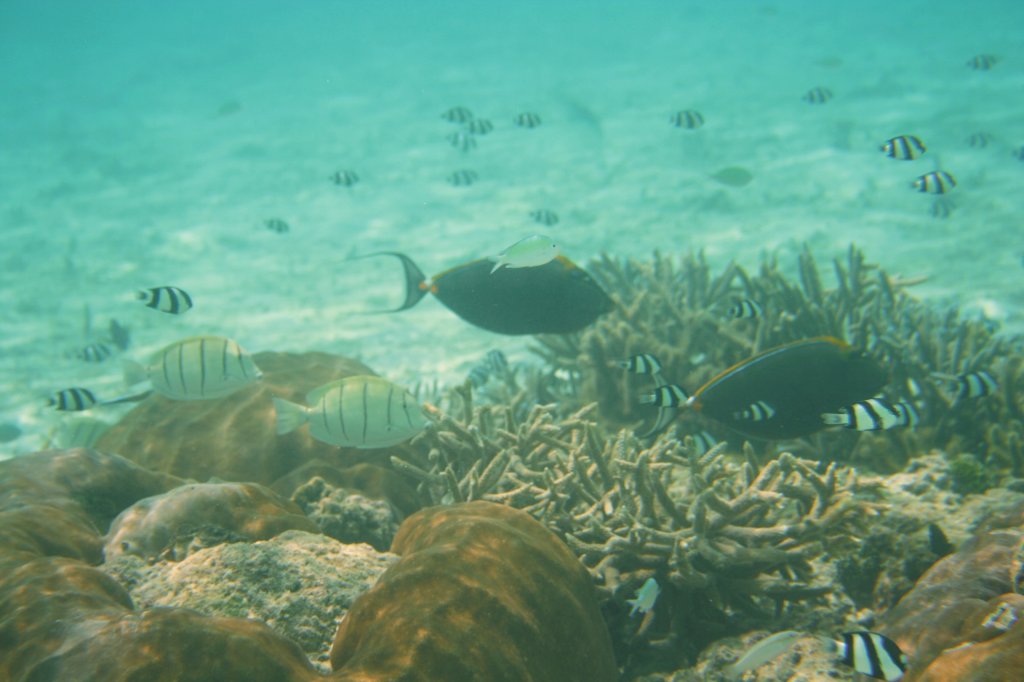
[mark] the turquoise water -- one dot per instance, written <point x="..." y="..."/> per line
<point x="145" y="144"/>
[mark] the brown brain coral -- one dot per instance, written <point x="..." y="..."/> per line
<point x="482" y="592"/>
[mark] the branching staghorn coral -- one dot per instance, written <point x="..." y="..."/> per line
<point x="721" y="537"/>
<point x="676" y="309"/>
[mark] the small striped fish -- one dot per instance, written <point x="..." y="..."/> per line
<point x="745" y="309"/>
<point x="527" y="119"/>
<point x="197" y="368"/>
<point x="904" y="147"/>
<point x="358" y="411"/>
<point x="644" y="363"/>
<point x="458" y="115"/>
<point x="478" y="126"/>
<point x="544" y="216"/>
<point x="167" y="299"/>
<point x="979" y="139"/>
<point x="983" y="62"/>
<point x="669" y="395"/>
<point x="277" y="225"/>
<point x="875" y="414"/>
<point x="688" y="119"/>
<point x="345" y="178"/>
<point x="817" y="95"/>
<point x="94" y="352"/>
<point x="936" y="182"/>
<point x="72" y="400"/>
<point x="872" y="654"/>
<point x="462" y="141"/>
<point x="462" y="178"/>
<point x="970" y="385"/>
<point x="494" y="364"/>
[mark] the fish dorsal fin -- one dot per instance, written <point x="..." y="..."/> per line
<point x="314" y="396"/>
<point x="414" y="280"/>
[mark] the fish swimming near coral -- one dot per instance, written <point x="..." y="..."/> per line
<point x="166" y="299"/>
<point x="875" y="414"/>
<point x="779" y="393"/>
<point x="745" y="309"/>
<point x="197" y="368"/>
<point x="872" y="654"/>
<point x="868" y="653"/>
<point x="462" y="140"/>
<point x="558" y="297"/>
<point x="528" y="252"/>
<point x="644" y="363"/>
<point x="494" y="364"/>
<point x="761" y="652"/>
<point x="968" y="386"/>
<point x="904" y="147"/>
<point x="359" y="411"/>
<point x="73" y="399"/>
<point x="646" y="596"/>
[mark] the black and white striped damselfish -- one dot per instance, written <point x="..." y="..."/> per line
<point x="357" y="411"/>
<point x="904" y="147"/>
<point x="458" y="115"/>
<point x="527" y="119"/>
<point x="197" y="368"/>
<point x="72" y="399"/>
<point x="872" y="654"/>
<point x="936" y="182"/>
<point x="818" y="95"/>
<point x="94" y="352"/>
<point x="666" y="396"/>
<point x="970" y="385"/>
<point x="688" y="119"/>
<point x="644" y="363"/>
<point x="166" y="299"/>
<point x="277" y="225"/>
<point x="745" y="309"/>
<point x="462" y="140"/>
<point x="544" y="216"/>
<point x="876" y="414"/>
<point x="462" y="178"/>
<point x="982" y="62"/>
<point x="345" y="178"/>
<point x="478" y="126"/>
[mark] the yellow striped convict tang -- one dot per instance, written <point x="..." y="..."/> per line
<point x="358" y="412"/>
<point x="197" y="368"/>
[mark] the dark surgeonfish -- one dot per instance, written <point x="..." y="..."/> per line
<point x="782" y="392"/>
<point x="558" y="297"/>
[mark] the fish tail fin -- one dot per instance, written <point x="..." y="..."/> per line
<point x="665" y="417"/>
<point x="414" y="279"/>
<point x="134" y="372"/>
<point x="834" y="419"/>
<point x="290" y="416"/>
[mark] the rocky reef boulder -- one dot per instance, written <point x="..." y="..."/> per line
<point x="481" y="592"/>
<point x="962" y="621"/>
<point x="197" y="515"/>
<point x="298" y="583"/>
